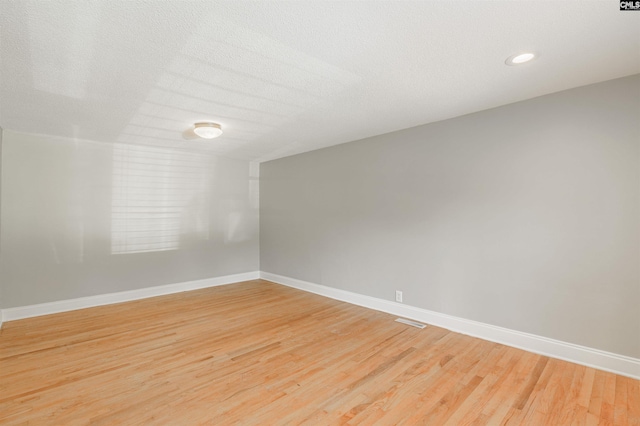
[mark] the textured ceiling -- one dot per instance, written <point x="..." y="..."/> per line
<point x="288" y="77"/>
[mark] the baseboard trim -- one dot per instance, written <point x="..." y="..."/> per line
<point x="602" y="360"/>
<point x="21" y="312"/>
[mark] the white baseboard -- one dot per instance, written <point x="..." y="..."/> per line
<point x="602" y="360"/>
<point x="21" y="312"/>
<point x="607" y="361"/>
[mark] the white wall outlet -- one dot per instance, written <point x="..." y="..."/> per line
<point x="398" y="296"/>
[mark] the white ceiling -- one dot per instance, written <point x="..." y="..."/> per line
<point x="288" y="77"/>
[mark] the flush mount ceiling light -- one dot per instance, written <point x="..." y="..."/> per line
<point x="520" y="58"/>
<point x="207" y="130"/>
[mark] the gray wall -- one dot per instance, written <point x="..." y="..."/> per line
<point x="1" y="282"/>
<point x="525" y="216"/>
<point x="80" y="218"/>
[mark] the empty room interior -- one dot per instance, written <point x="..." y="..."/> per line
<point x="319" y="212"/>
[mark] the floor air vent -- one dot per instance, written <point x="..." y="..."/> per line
<point x="411" y="323"/>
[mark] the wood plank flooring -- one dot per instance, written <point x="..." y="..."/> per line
<point x="257" y="353"/>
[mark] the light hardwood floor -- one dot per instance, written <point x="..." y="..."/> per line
<point x="257" y="353"/>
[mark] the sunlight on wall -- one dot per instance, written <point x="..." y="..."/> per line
<point x="159" y="197"/>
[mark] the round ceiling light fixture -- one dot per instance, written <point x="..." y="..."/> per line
<point x="207" y="130"/>
<point x="520" y="58"/>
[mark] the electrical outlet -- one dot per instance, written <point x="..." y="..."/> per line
<point x="398" y="296"/>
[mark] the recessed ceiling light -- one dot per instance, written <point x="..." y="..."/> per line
<point x="520" y="58"/>
<point x="207" y="130"/>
